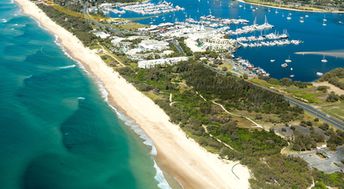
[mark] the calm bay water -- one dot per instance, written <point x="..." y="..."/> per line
<point x="56" y="129"/>
<point x="316" y="37"/>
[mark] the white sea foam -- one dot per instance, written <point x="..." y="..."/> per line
<point x="67" y="54"/>
<point x="28" y="77"/>
<point x="81" y="98"/>
<point x="67" y="67"/>
<point x="163" y="184"/>
<point x="159" y="176"/>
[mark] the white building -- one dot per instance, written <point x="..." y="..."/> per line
<point x="101" y="34"/>
<point x="162" y="61"/>
<point x="153" y="45"/>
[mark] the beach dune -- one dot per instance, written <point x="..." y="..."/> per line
<point x="179" y="157"/>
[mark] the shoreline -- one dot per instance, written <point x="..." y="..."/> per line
<point x="290" y="9"/>
<point x="180" y="157"/>
<point x="335" y="53"/>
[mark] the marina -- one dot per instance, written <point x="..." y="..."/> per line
<point x="149" y="8"/>
<point x="308" y="33"/>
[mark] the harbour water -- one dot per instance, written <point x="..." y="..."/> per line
<point x="56" y="129"/>
<point x="305" y="26"/>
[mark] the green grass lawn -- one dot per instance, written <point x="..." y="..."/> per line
<point x="308" y="94"/>
<point x="334" y="109"/>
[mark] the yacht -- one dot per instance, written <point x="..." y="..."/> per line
<point x="288" y="60"/>
<point x="319" y="74"/>
<point x="284" y="65"/>
<point x="272" y="60"/>
<point x="292" y="75"/>
<point x="302" y="20"/>
<point x="324" y="60"/>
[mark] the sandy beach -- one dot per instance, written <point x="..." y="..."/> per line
<point x="334" y="53"/>
<point x="289" y="8"/>
<point x="181" y="158"/>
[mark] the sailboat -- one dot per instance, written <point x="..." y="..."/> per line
<point x="289" y="16"/>
<point x="288" y="60"/>
<point x="302" y="20"/>
<point x="324" y="21"/>
<point x="324" y="60"/>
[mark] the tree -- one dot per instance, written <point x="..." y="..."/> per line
<point x="332" y="97"/>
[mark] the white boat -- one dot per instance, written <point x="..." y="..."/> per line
<point x="288" y="60"/>
<point x="319" y="74"/>
<point x="324" y="60"/>
<point x="306" y="16"/>
<point x="284" y="65"/>
<point x="291" y="69"/>
<point x="272" y="60"/>
<point x="292" y="75"/>
<point x="288" y="18"/>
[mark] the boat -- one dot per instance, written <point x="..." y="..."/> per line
<point x="284" y="65"/>
<point x="272" y="60"/>
<point x="292" y="75"/>
<point x="291" y="69"/>
<point x="324" y="21"/>
<point x="306" y="16"/>
<point x="288" y="60"/>
<point x="324" y="60"/>
<point x="288" y="18"/>
<point x="302" y="19"/>
<point x="319" y="74"/>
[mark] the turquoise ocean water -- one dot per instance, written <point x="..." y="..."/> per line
<point x="56" y="128"/>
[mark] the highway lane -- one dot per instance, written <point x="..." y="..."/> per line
<point x="317" y="113"/>
<point x="308" y="108"/>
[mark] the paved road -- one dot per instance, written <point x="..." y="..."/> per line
<point x="177" y="45"/>
<point x="317" y="113"/>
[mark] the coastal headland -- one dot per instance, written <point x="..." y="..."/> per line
<point x="180" y="157"/>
